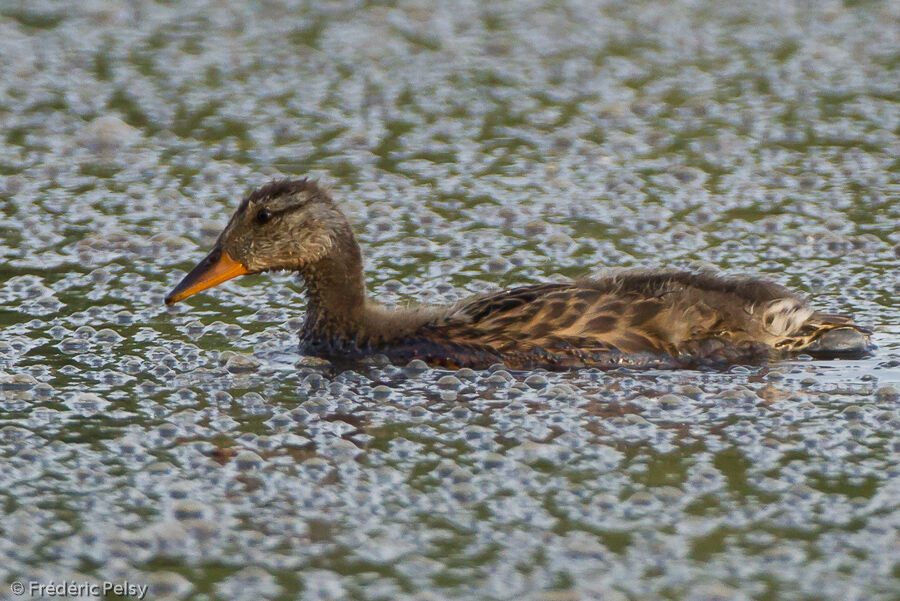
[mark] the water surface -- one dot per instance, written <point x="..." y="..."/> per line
<point x="473" y="145"/>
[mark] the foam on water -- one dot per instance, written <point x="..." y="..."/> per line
<point x="473" y="145"/>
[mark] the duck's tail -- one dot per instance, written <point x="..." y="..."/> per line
<point x="828" y="335"/>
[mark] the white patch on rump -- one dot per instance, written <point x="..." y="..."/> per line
<point x="785" y="316"/>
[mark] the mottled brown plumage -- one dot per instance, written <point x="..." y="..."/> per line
<point x="659" y="318"/>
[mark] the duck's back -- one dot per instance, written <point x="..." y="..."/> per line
<point x="664" y="318"/>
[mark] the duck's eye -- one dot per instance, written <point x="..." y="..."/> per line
<point x="263" y="216"/>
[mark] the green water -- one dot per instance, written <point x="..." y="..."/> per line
<point x="473" y="145"/>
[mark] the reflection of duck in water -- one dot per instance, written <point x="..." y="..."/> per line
<point x="642" y="318"/>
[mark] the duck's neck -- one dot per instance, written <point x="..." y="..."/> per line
<point x="336" y="298"/>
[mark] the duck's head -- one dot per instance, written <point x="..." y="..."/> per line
<point x="284" y="225"/>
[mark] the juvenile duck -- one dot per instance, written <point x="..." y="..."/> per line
<point x="660" y="318"/>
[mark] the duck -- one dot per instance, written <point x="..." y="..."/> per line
<point x="647" y="318"/>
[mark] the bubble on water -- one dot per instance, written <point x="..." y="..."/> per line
<point x="17" y="381"/>
<point x="247" y="461"/>
<point x="188" y="510"/>
<point x="536" y="381"/>
<point x="167" y="585"/>
<point x="241" y="363"/>
<point x="415" y="368"/>
<point x="249" y="583"/>
<point x="87" y="403"/>
<point x="107" y="133"/>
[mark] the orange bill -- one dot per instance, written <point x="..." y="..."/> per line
<point x="216" y="268"/>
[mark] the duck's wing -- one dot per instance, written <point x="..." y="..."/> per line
<point x="684" y="315"/>
<point x="560" y="318"/>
